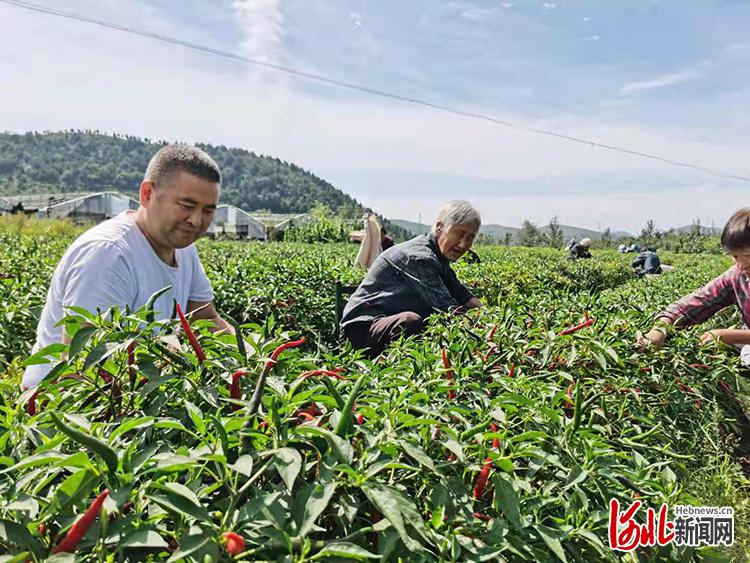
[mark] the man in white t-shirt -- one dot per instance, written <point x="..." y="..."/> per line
<point x="125" y="260"/>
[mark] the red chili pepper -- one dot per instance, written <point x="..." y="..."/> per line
<point x="578" y="327"/>
<point x="306" y="415"/>
<point x="492" y="332"/>
<point x="700" y="366"/>
<point x="482" y="517"/>
<point x="235" y="392"/>
<point x="42" y="529"/>
<point x="31" y="404"/>
<point x="488" y="353"/>
<point x="263" y="425"/>
<point x="495" y="440"/>
<point x="451" y="456"/>
<point x="646" y="369"/>
<point x="729" y="392"/>
<point x="235" y="543"/>
<point x="360" y="419"/>
<point x="191" y="336"/>
<point x="448" y="373"/>
<point x="79" y="528"/>
<point x="325" y="372"/>
<point x="131" y="363"/>
<point x="482" y="478"/>
<point x="512" y="370"/>
<point x="276" y="353"/>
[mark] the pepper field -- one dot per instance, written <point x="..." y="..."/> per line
<point x="501" y="436"/>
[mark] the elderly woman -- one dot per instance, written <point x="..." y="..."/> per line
<point x="411" y="280"/>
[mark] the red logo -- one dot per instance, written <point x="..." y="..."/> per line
<point x="625" y="534"/>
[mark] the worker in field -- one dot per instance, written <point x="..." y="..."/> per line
<point x="730" y="288"/>
<point x="412" y="280"/>
<point x="125" y="260"/>
<point x="647" y="262"/>
<point x="580" y="249"/>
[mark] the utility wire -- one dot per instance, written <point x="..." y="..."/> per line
<point x="368" y="90"/>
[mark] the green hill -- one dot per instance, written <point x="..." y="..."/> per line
<point x="78" y="161"/>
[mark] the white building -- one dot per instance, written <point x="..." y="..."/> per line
<point x="236" y="223"/>
<point x="80" y="207"/>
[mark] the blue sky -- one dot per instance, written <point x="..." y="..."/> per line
<point x="667" y="77"/>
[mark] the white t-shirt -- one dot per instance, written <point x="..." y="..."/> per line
<point x="113" y="264"/>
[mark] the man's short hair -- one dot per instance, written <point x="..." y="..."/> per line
<point x="736" y="233"/>
<point x="175" y="158"/>
<point x="457" y="213"/>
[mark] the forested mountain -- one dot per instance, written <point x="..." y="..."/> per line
<point x="78" y="161"/>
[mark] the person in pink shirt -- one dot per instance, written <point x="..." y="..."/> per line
<point x="730" y="288"/>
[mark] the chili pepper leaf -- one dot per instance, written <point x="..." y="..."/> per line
<point x="576" y="476"/>
<point x="189" y="545"/>
<point x="94" y="444"/>
<point x="100" y="352"/>
<point x="341" y="448"/>
<point x="131" y="424"/>
<point x="20" y="558"/>
<point x="506" y="500"/>
<point x="178" y="498"/>
<point x="418" y="455"/>
<point x="196" y="416"/>
<point x="73" y="490"/>
<point x="398" y="509"/>
<point x="44" y="458"/>
<point x="288" y="463"/>
<point x="243" y="465"/>
<point x="345" y="550"/>
<point x="15" y="533"/>
<point x="141" y="538"/>
<point x="79" y="340"/>
<point x="309" y="503"/>
<point x="550" y="537"/>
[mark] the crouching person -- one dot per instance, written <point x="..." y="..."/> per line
<point x="730" y="288"/>
<point x="412" y="280"/>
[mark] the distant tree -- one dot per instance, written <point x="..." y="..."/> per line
<point x="529" y="235"/>
<point x="555" y="237"/>
<point x="508" y="239"/>
<point x="650" y="235"/>
<point x="606" y="238"/>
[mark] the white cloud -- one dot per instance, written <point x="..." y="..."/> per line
<point x="51" y="78"/>
<point x="586" y="18"/>
<point x="506" y="5"/>
<point x="261" y="25"/>
<point x="478" y="14"/>
<point x="549" y="5"/>
<point x="592" y="38"/>
<point x="738" y="49"/>
<point x="356" y="19"/>
<point x="662" y="81"/>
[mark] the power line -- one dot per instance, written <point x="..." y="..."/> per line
<point x="368" y="90"/>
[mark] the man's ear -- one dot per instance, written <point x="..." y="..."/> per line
<point x="146" y="192"/>
<point x="438" y="228"/>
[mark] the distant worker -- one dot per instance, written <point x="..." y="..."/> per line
<point x="622" y="249"/>
<point x="571" y="244"/>
<point x="385" y="241"/>
<point x="647" y="262"/>
<point x="730" y="288"/>
<point x="123" y="261"/>
<point x="580" y="249"/>
<point x="412" y="280"/>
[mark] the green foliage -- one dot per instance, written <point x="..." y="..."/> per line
<point x="582" y="419"/>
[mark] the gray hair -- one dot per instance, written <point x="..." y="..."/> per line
<point x="186" y="158"/>
<point x="457" y="213"/>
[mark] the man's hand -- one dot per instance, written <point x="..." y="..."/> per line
<point x="711" y="336"/>
<point x="208" y="312"/>
<point x="473" y="303"/>
<point x="731" y="336"/>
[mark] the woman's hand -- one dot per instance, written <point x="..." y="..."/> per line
<point x="654" y="338"/>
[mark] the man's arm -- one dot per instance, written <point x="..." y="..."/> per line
<point x="207" y="311"/>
